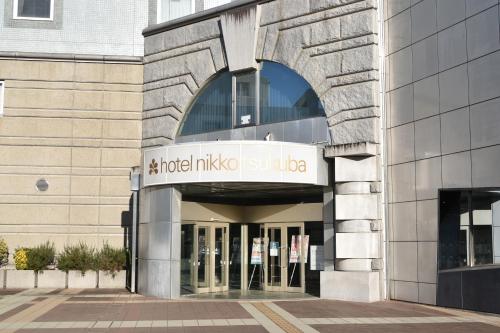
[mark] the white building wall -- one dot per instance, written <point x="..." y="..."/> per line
<point x="98" y="27"/>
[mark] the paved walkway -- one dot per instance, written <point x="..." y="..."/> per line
<point x="98" y="310"/>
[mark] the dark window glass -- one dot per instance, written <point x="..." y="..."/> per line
<point x="245" y="99"/>
<point x="453" y="229"/>
<point x="33" y="8"/>
<point x="211" y="110"/>
<point x="485" y="207"/>
<point x="285" y="95"/>
<point x="469" y="222"/>
<point x="279" y="95"/>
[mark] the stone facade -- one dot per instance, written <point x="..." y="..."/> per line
<point x="75" y="122"/>
<point x="334" y="46"/>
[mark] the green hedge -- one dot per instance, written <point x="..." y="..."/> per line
<point x="111" y="259"/>
<point x="41" y="256"/>
<point x="79" y="257"/>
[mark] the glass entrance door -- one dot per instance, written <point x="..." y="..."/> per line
<point x="210" y="260"/>
<point x="285" y="253"/>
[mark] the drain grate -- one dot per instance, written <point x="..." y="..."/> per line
<point x="284" y="324"/>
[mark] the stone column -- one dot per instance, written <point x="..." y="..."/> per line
<point x="328" y="223"/>
<point x="159" y="242"/>
<point x="357" y="232"/>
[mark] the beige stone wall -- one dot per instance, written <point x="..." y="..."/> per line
<point x="78" y="125"/>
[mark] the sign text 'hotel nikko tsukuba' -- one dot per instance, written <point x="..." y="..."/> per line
<point x="235" y="161"/>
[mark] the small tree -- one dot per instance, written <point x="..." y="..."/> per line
<point x="111" y="260"/>
<point x="41" y="256"/>
<point x="21" y="258"/>
<point x="4" y="252"/>
<point x="79" y="257"/>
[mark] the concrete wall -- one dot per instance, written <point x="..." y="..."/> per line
<point x="443" y="98"/>
<point x="104" y="27"/>
<point x="78" y="125"/>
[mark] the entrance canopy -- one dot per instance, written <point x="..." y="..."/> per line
<point x="235" y="161"/>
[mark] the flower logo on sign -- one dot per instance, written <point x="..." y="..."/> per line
<point x="153" y="167"/>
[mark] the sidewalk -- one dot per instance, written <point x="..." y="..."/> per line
<point x="78" y="310"/>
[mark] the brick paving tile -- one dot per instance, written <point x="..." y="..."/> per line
<point x="7" y="292"/>
<point x="93" y="299"/>
<point x="54" y="292"/>
<point x="145" y="311"/>
<point x="39" y="299"/>
<point x="103" y="291"/>
<point x="339" y="309"/>
<point x="14" y="311"/>
<point x="214" y="329"/>
<point x="410" y="328"/>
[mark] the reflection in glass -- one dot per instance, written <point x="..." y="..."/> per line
<point x="295" y="256"/>
<point x="211" y="111"/>
<point x="187" y="257"/>
<point x="468" y="223"/>
<point x="220" y="254"/>
<point x="274" y="93"/>
<point x="245" y="99"/>
<point x="33" y="8"/>
<point x="203" y="257"/>
<point x="285" y="96"/>
<point x="274" y="257"/>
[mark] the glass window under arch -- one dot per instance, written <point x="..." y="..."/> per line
<point x="273" y="93"/>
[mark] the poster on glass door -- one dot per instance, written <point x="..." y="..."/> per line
<point x="257" y="251"/>
<point x="296" y="247"/>
<point x="273" y="248"/>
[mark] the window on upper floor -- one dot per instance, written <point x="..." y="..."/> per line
<point x="34" y="9"/>
<point x="469" y="228"/>
<point x="273" y="93"/>
<point x="171" y="9"/>
<point x="2" y="86"/>
<point x="207" y="4"/>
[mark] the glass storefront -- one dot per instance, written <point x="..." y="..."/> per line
<point x="216" y="257"/>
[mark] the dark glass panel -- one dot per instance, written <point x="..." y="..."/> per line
<point x="453" y="229"/>
<point x="285" y="95"/>
<point x="33" y="8"/>
<point x="245" y="99"/>
<point x="211" y="111"/>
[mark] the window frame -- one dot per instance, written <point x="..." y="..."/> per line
<point x="15" y="5"/>
<point x="471" y="265"/>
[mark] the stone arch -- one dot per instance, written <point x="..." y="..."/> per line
<point x="333" y="47"/>
<point x="308" y="95"/>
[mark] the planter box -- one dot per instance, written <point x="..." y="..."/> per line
<point x="108" y="281"/>
<point x="51" y="279"/>
<point x="20" y="279"/>
<point x="2" y="278"/>
<point x="77" y="280"/>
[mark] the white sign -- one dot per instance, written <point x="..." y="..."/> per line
<point x="235" y="161"/>
<point x="317" y="258"/>
<point x="257" y="250"/>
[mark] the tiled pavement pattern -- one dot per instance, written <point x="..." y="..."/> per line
<point x="73" y="310"/>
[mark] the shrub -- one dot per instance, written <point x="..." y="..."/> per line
<point x="111" y="260"/>
<point x="41" y="256"/>
<point x="21" y="258"/>
<point x="79" y="257"/>
<point x="4" y="252"/>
